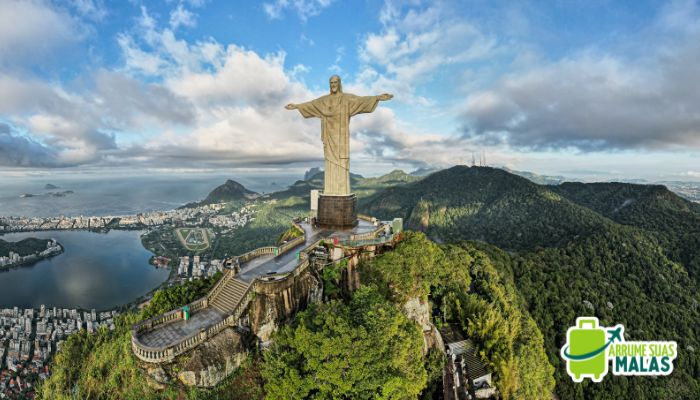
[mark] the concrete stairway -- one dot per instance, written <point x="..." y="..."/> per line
<point x="229" y="296"/>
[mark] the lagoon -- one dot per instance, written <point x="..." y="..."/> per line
<point x="96" y="270"/>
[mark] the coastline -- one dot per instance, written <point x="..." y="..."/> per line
<point x="143" y="222"/>
<point x="34" y="260"/>
<point x="127" y="305"/>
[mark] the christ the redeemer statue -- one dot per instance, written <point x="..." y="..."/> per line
<point x="335" y="110"/>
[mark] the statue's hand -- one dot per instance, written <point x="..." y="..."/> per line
<point x="385" y="97"/>
<point x="291" y="106"/>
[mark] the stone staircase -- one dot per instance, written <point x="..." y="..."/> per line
<point x="229" y="296"/>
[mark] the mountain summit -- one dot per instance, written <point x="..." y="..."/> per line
<point x="487" y="204"/>
<point x="229" y="191"/>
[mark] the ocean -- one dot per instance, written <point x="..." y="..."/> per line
<point x="101" y="195"/>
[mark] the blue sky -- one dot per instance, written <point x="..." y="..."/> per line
<point x="587" y="89"/>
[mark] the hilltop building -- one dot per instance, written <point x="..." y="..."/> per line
<point x="466" y="375"/>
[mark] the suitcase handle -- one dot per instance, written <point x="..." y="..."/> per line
<point x="587" y="323"/>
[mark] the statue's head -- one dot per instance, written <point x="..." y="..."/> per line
<point x="336" y="85"/>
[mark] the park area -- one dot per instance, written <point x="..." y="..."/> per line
<point x="194" y="239"/>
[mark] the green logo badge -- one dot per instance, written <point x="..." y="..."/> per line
<point x="590" y="348"/>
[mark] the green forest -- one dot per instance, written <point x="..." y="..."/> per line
<point x="624" y="253"/>
<point x="509" y="262"/>
<point x="360" y="345"/>
<point x="23" y="247"/>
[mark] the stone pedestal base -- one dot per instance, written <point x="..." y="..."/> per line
<point x="337" y="211"/>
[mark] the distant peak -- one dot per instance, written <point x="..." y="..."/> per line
<point x="229" y="191"/>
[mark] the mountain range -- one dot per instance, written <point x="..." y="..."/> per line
<point x="538" y="256"/>
<point x="625" y="253"/>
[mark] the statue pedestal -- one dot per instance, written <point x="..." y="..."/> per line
<point x="336" y="211"/>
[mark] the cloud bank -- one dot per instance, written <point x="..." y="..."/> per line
<point x="595" y="100"/>
<point x="188" y="103"/>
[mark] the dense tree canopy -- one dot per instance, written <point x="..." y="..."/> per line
<point x="625" y="253"/>
<point x="463" y="283"/>
<point x="364" y="349"/>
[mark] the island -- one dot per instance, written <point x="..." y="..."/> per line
<point x="27" y="251"/>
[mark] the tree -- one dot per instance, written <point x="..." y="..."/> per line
<point x="361" y="350"/>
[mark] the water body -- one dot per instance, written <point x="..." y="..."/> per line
<point x="100" y="195"/>
<point x="96" y="270"/>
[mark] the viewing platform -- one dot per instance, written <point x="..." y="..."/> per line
<point x="164" y="337"/>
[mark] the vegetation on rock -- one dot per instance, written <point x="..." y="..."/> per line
<point x="624" y="253"/>
<point x="360" y="350"/>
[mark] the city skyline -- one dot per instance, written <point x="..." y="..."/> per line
<point x="595" y="90"/>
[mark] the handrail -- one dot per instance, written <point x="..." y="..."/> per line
<point x="157" y="320"/>
<point x="255" y="253"/>
<point x="167" y="353"/>
<point x="291" y="244"/>
<point x="228" y="275"/>
<point x="163" y="353"/>
<point x="367" y="242"/>
<point x="366" y="217"/>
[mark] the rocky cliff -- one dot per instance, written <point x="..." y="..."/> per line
<point x="276" y="302"/>
<point x="206" y="365"/>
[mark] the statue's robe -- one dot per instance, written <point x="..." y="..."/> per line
<point x="335" y="111"/>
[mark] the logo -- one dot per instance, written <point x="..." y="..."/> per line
<point x="591" y="350"/>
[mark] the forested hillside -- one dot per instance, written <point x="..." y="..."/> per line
<point x="517" y="264"/>
<point x="624" y="253"/>
<point x="672" y="219"/>
<point x="362" y="346"/>
<point x="22" y="247"/>
<point x="486" y="204"/>
<point x="464" y="284"/>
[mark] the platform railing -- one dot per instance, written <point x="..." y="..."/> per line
<point x="168" y="353"/>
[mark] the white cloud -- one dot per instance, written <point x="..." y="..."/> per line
<point x="238" y="97"/>
<point x="303" y="8"/>
<point x="17" y="150"/>
<point x="382" y="137"/>
<point x="593" y="101"/>
<point x="139" y="60"/>
<point x="80" y="125"/>
<point x="680" y="15"/>
<point x="243" y="77"/>
<point x="182" y="17"/>
<point x="415" y="47"/>
<point x="31" y="31"/>
<point x="127" y="103"/>
<point x="298" y="71"/>
<point x="196" y="3"/>
<point x="207" y="104"/>
<point x="215" y="105"/>
<point x="92" y="9"/>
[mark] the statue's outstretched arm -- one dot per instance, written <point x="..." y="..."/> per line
<point x="308" y="109"/>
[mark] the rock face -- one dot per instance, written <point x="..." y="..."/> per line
<point x="157" y="378"/>
<point x="276" y="302"/>
<point x="311" y="173"/>
<point x="418" y="311"/>
<point x="211" y="361"/>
